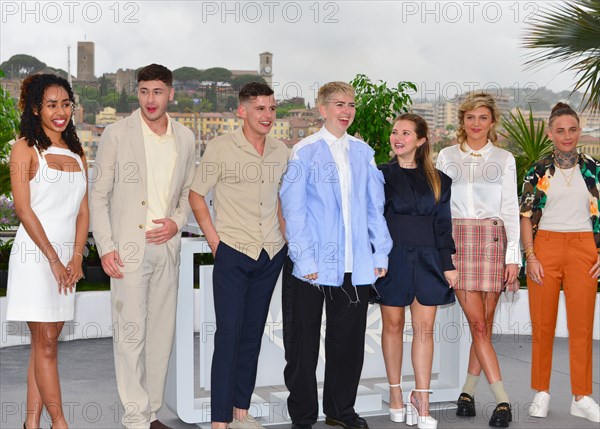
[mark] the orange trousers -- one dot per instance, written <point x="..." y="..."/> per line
<point x="566" y="258"/>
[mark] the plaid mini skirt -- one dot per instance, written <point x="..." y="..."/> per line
<point x="480" y="255"/>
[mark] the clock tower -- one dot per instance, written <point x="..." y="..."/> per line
<point x="266" y="67"/>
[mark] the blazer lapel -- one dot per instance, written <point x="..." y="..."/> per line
<point x="180" y="161"/>
<point x="136" y="140"/>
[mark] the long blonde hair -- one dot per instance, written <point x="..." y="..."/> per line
<point x="423" y="153"/>
<point x="473" y="101"/>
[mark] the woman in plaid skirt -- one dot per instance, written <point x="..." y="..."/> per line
<point x="560" y="231"/>
<point x="485" y="213"/>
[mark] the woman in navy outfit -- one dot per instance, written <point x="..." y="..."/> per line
<point x="421" y="273"/>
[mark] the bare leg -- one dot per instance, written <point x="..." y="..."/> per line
<point x="239" y="414"/>
<point x="474" y="306"/>
<point x="392" y="342"/>
<point x="44" y="339"/>
<point x="423" y="318"/>
<point x="474" y="367"/>
<point x="34" y="399"/>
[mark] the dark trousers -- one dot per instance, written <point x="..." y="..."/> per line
<point x="346" y="313"/>
<point x="242" y="289"/>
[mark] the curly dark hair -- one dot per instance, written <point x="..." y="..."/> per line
<point x="31" y="101"/>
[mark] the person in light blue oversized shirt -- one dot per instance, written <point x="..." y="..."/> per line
<point x="332" y="200"/>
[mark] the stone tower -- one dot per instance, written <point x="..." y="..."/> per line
<point x="266" y="67"/>
<point x="85" y="61"/>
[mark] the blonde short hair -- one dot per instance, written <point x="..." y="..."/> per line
<point x="331" y="88"/>
<point x="473" y="101"/>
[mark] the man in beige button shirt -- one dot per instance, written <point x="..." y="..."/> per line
<point x="139" y="203"/>
<point x="245" y="170"/>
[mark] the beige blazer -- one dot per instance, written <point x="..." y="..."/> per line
<point x="119" y="190"/>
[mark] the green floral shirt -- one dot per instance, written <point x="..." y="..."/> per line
<point x="537" y="182"/>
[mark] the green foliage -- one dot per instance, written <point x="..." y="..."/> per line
<point x="8" y="216"/>
<point x="5" y="248"/>
<point x="528" y="140"/>
<point x="238" y="82"/>
<point x="123" y="103"/>
<point x="376" y="107"/>
<point x="187" y="73"/>
<point x="216" y="74"/>
<point x="570" y="32"/>
<point x="231" y="103"/>
<point x="19" y="66"/>
<point x="284" y="109"/>
<point x="9" y="131"/>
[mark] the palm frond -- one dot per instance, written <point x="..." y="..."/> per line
<point x="529" y="139"/>
<point x="570" y="33"/>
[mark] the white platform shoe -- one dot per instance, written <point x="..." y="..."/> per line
<point x="397" y="415"/>
<point x="412" y="413"/>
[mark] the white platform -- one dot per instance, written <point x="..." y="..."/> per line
<point x="451" y="338"/>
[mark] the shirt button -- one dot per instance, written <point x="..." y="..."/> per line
<point x="495" y="222"/>
<point x="260" y="224"/>
<point x="262" y="181"/>
<point x="261" y="203"/>
<point x="140" y="226"/>
<point x="495" y="238"/>
<point x="143" y="203"/>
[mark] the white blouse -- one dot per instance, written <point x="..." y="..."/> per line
<point x="484" y="186"/>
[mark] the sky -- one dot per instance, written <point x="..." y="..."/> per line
<point x="445" y="47"/>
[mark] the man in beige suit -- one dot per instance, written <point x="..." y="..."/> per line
<point x="139" y="203"/>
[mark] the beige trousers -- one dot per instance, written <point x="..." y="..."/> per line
<point x="143" y="314"/>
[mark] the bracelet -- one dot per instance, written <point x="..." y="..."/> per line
<point x="78" y="254"/>
<point x="528" y="253"/>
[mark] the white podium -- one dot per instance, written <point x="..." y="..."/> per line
<point x="452" y="340"/>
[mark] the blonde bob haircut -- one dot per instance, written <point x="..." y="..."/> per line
<point x="474" y="101"/>
<point x="330" y="89"/>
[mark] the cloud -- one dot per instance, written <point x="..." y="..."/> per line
<point x="431" y="43"/>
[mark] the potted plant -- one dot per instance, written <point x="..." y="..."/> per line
<point x="92" y="266"/>
<point x="5" y="249"/>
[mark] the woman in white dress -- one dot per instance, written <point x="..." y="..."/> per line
<point x="49" y="186"/>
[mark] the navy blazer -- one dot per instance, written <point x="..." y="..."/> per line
<point x="405" y="196"/>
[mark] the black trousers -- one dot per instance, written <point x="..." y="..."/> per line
<point x="346" y="312"/>
<point x="242" y="289"/>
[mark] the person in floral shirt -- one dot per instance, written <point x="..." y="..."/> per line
<point x="561" y="249"/>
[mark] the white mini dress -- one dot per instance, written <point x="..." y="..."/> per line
<point x="55" y="197"/>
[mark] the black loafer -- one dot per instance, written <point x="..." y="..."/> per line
<point x="354" y="422"/>
<point x="501" y="416"/>
<point x="465" y="405"/>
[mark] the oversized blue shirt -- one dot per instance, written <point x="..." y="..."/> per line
<point x="312" y="208"/>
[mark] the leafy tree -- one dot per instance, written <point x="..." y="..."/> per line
<point x="205" y="106"/>
<point x="570" y="32"/>
<point x="123" y="103"/>
<point x="231" y="103"/>
<point x="242" y="80"/>
<point x="376" y="107"/>
<point x="21" y="65"/>
<point x="90" y="118"/>
<point x="187" y="73"/>
<point x="216" y="74"/>
<point x="528" y="140"/>
<point x="9" y="130"/>
<point x="104" y="85"/>
<point x="283" y="109"/>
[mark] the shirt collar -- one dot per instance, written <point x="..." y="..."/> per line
<point x="330" y="139"/>
<point x="484" y="152"/>
<point x="146" y="131"/>
<point x="242" y="142"/>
